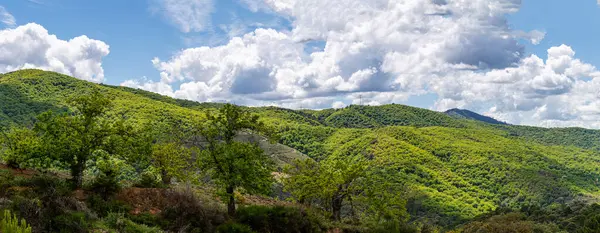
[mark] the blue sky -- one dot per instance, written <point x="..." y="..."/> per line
<point x="481" y="56"/>
<point x="134" y="32"/>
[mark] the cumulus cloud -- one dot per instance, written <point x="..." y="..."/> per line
<point x="187" y="15"/>
<point x="382" y="51"/>
<point x="6" y="18"/>
<point x="560" y="91"/>
<point x="31" y="46"/>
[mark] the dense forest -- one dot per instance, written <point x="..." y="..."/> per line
<point x="83" y="157"/>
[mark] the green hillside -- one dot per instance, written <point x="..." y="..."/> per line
<point x="466" y="114"/>
<point x="450" y="170"/>
<point x="27" y="93"/>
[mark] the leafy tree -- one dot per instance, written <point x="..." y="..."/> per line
<point x="333" y="182"/>
<point x="350" y="181"/>
<point x="233" y="164"/>
<point x="73" y="138"/>
<point x="18" y="146"/>
<point x="172" y="160"/>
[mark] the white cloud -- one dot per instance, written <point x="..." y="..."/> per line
<point x="31" y="46"/>
<point x="6" y="18"/>
<point x="338" y="104"/>
<point x="561" y="91"/>
<point x="382" y="51"/>
<point x="187" y="15"/>
<point x="257" y="5"/>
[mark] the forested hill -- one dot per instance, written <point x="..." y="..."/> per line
<point x="450" y="170"/>
<point x="466" y="114"/>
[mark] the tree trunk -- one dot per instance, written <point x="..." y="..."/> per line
<point x="166" y="179"/>
<point x="336" y="208"/>
<point x="77" y="174"/>
<point x="231" y="202"/>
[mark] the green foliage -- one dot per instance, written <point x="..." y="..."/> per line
<point x="11" y="224"/>
<point x="439" y="169"/>
<point x="102" y="206"/>
<point x="119" y="222"/>
<point x="347" y="179"/>
<point x="150" y="178"/>
<point x="512" y="222"/>
<point x="185" y="211"/>
<point x="233" y="164"/>
<point x="172" y="160"/>
<point x="48" y="205"/>
<point x="73" y="139"/>
<point x="19" y="145"/>
<point x="232" y="227"/>
<point x="72" y="222"/>
<point x="279" y="219"/>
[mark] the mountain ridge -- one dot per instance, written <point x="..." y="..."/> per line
<point x="470" y="115"/>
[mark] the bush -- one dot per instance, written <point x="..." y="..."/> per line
<point x="29" y="209"/>
<point x="51" y="207"/>
<point x="149" y="180"/>
<point x="232" y="227"/>
<point x="185" y="211"/>
<point x="279" y="219"/>
<point x="103" y="207"/>
<point x="46" y="186"/>
<point x="11" y="224"/>
<point x="148" y="219"/>
<point x="74" y="222"/>
<point x="511" y="222"/>
<point x="106" y="185"/>
<point x="393" y="227"/>
<point x="119" y="222"/>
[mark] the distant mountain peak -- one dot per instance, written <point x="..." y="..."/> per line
<point x="470" y="115"/>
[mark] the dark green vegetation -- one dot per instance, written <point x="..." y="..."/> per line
<point x="469" y="115"/>
<point x="390" y="168"/>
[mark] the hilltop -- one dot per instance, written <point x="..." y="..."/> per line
<point x="466" y="114"/>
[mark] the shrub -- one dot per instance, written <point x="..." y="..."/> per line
<point x="279" y="219"/>
<point x="47" y="186"/>
<point x="232" y="227"/>
<point x="393" y="227"/>
<point x="106" y="184"/>
<point x="149" y="180"/>
<point x="119" y="222"/>
<point x="185" y="211"/>
<point x="74" y="222"/>
<point x="29" y="209"/>
<point x="511" y="222"/>
<point x="51" y="206"/>
<point x="103" y="207"/>
<point x="147" y="219"/>
<point x="11" y="224"/>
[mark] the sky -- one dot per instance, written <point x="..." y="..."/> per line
<point x="529" y="62"/>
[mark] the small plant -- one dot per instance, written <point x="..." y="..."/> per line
<point x="11" y="224"/>
<point x="234" y="228"/>
<point x="119" y="222"/>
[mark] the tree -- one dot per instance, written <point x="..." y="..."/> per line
<point x="172" y="160"/>
<point x="332" y="183"/>
<point x="18" y="146"/>
<point x="73" y="138"/>
<point x="233" y="164"/>
<point x="346" y="180"/>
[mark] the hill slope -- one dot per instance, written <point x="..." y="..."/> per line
<point x="27" y="93"/>
<point x="466" y="114"/>
<point x="454" y="169"/>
